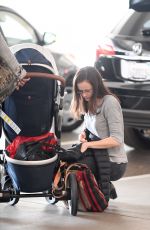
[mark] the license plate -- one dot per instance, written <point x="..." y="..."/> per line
<point x="134" y="70"/>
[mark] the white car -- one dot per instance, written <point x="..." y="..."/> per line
<point x="24" y="32"/>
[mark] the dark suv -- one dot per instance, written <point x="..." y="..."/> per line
<point x="123" y="59"/>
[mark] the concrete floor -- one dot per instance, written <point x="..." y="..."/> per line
<point x="130" y="211"/>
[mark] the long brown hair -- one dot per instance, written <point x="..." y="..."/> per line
<point x="78" y="105"/>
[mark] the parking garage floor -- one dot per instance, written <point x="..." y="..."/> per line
<point x="130" y="211"/>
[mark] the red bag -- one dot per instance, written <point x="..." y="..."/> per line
<point x="91" y="197"/>
<point x="12" y="148"/>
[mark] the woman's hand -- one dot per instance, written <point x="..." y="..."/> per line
<point x="84" y="146"/>
<point x="22" y="82"/>
<point x="82" y="137"/>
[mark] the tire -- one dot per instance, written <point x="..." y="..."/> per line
<point x="73" y="202"/>
<point x="51" y="200"/>
<point x="69" y="123"/>
<point x="137" y="138"/>
<point x="7" y="185"/>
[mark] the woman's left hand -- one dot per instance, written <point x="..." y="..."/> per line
<point x="84" y="147"/>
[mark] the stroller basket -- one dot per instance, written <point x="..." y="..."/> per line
<point x="31" y="176"/>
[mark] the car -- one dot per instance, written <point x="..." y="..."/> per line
<point x="67" y="68"/>
<point x="24" y="32"/>
<point x="123" y="59"/>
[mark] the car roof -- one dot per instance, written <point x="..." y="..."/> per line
<point x="7" y="9"/>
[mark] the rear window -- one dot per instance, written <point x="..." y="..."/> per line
<point x="133" y="24"/>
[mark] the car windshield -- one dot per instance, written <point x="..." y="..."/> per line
<point x="15" y="29"/>
<point x="133" y="24"/>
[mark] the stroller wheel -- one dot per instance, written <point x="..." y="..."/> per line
<point x="51" y="200"/>
<point x="8" y="186"/>
<point x="73" y="202"/>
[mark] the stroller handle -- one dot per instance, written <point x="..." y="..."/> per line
<point x="46" y="75"/>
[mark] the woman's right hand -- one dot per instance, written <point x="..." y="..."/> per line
<point x="82" y="137"/>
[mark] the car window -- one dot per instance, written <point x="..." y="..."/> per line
<point x="15" y="29"/>
<point x="133" y="24"/>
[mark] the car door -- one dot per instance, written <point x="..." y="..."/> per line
<point x="16" y="29"/>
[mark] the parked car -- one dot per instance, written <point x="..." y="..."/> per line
<point x="67" y="69"/>
<point x="123" y="59"/>
<point x="17" y="30"/>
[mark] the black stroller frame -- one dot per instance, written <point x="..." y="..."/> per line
<point x="23" y="179"/>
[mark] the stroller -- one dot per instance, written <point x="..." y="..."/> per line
<point x="36" y="109"/>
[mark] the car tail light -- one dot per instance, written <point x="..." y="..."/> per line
<point x="105" y="49"/>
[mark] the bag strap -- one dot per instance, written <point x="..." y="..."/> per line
<point x="56" y="188"/>
<point x="59" y="173"/>
<point x="64" y="171"/>
<point x="76" y="166"/>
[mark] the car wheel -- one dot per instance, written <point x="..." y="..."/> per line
<point x="137" y="138"/>
<point x="69" y="123"/>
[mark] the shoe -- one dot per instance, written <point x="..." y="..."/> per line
<point x="113" y="193"/>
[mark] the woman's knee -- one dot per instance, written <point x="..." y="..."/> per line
<point x="117" y="171"/>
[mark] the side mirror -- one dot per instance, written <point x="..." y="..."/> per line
<point x="49" y="38"/>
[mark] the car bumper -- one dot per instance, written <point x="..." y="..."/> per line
<point x="135" y="102"/>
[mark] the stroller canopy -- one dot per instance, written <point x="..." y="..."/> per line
<point x="31" y="53"/>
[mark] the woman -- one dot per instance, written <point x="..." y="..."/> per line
<point x="103" y="120"/>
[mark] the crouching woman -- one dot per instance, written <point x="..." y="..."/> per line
<point x="104" y="128"/>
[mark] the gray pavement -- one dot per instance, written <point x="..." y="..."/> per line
<point x="130" y="211"/>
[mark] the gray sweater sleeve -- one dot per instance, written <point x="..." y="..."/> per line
<point x="113" y="115"/>
<point x="10" y="59"/>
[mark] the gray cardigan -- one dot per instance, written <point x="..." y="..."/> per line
<point x="109" y="122"/>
